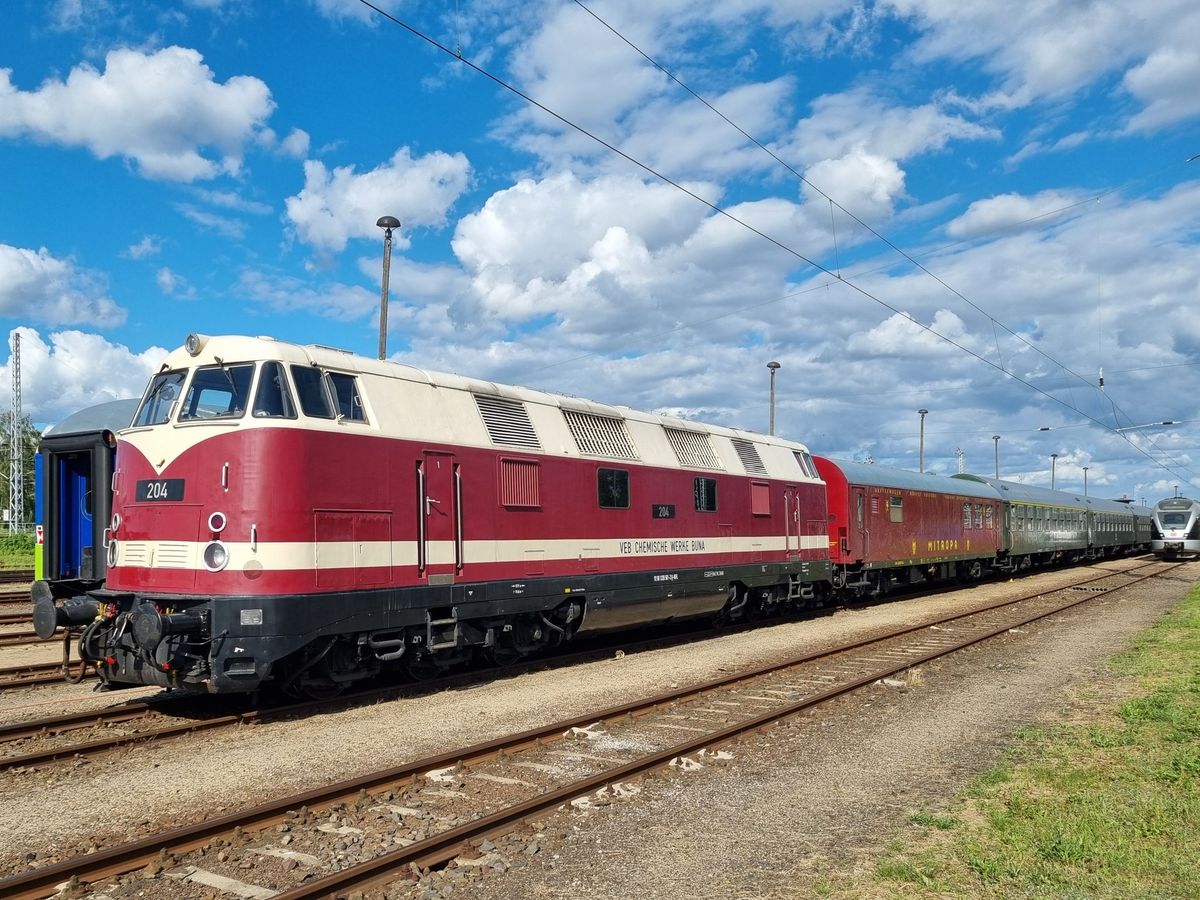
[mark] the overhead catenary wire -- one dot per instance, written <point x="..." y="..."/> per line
<point x="723" y="212"/>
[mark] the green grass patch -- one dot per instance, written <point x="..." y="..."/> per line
<point x="1109" y="810"/>
<point x="16" y="550"/>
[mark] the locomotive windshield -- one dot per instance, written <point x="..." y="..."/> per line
<point x="160" y="396"/>
<point x="218" y="392"/>
<point x="1174" y="519"/>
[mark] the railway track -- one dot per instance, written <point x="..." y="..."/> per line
<point x="16" y="618"/>
<point x="526" y="771"/>
<point x="18" y="638"/>
<point x="16" y="576"/>
<point x="37" y="673"/>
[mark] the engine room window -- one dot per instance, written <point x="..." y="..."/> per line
<point x="273" y="399"/>
<point x="218" y="392"/>
<point x="896" y="509"/>
<point x="613" y="488"/>
<point x="310" y="385"/>
<point x="760" y="498"/>
<point x="163" y="391"/>
<point x="704" y="490"/>
<point x="345" y="388"/>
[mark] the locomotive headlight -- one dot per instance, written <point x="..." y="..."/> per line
<point x="112" y="553"/>
<point x="217" y="522"/>
<point x="194" y="343"/>
<point x="116" y="521"/>
<point x="216" y="556"/>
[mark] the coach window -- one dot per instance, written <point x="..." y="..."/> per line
<point x="704" y="491"/>
<point x="345" y="389"/>
<point x="988" y="521"/>
<point x="978" y="515"/>
<point x="218" y="392"/>
<point x="273" y="399"/>
<point x="966" y="515"/>
<point x="164" y="390"/>
<point x="613" y="488"/>
<point x="314" y="399"/>
<point x="896" y="509"/>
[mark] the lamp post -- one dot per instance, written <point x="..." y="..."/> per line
<point x="996" y="441"/>
<point x="922" y="413"/>
<point x="774" y="367"/>
<point x="1053" y="460"/>
<point x="387" y="223"/>
<point x="1085" y="468"/>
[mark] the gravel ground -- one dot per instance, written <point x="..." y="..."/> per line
<point x="683" y="835"/>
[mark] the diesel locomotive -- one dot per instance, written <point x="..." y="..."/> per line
<point x="301" y="517"/>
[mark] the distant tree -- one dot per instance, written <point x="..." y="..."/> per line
<point x="29" y="443"/>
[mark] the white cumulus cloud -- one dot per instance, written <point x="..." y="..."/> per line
<point x="341" y="204"/>
<point x="165" y="111"/>
<point x="35" y="285"/>
<point x="71" y="370"/>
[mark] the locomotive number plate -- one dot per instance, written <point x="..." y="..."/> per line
<point x="159" y="489"/>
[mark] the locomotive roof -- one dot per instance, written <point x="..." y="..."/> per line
<point x="887" y="476"/>
<point x="235" y="348"/>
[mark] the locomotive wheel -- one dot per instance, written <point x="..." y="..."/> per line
<point x="421" y="667"/>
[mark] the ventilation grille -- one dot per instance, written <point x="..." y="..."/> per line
<point x="692" y="448"/>
<point x="600" y="435"/>
<point x="519" y="483"/>
<point x="748" y="454"/>
<point x="507" y="422"/>
<point x="173" y="556"/>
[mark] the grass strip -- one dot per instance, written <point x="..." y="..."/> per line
<point x="1108" y="809"/>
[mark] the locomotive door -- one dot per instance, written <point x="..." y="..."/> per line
<point x="791" y="521"/>
<point x="439" y="517"/>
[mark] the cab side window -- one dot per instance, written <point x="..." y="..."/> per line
<point x="273" y="400"/>
<point x="310" y="385"/>
<point x="349" y="403"/>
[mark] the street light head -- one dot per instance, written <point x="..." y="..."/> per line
<point x="923" y="411"/>
<point x="995" y="437"/>
<point x="1054" y="456"/>
<point x="1044" y="428"/>
<point x="773" y="365"/>
<point x="388" y="222"/>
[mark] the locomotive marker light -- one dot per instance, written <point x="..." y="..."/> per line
<point x="216" y="556"/>
<point x="774" y="367"/>
<point x="387" y="223"/>
<point x="1053" y="461"/>
<point x="922" y="413"/>
<point x="217" y="522"/>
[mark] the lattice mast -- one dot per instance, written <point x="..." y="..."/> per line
<point x="16" y="456"/>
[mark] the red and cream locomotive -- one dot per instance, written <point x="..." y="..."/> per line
<point x="306" y="517"/>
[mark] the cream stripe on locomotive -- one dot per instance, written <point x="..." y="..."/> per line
<point x="292" y="555"/>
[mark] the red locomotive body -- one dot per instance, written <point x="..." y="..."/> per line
<point x="303" y="515"/>
<point x="890" y="526"/>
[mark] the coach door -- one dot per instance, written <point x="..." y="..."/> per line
<point x="860" y="527"/>
<point x="439" y="518"/>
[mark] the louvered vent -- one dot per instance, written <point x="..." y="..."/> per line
<point x="748" y="454"/>
<point x="692" y="448"/>
<point x="600" y="435"/>
<point x="507" y="422"/>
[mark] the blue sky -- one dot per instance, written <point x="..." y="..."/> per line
<point x="218" y="166"/>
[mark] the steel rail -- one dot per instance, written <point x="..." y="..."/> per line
<point x="16" y="576"/>
<point x="17" y="638"/>
<point x="17" y="618"/>
<point x="133" y="855"/>
<point x="35" y="674"/>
